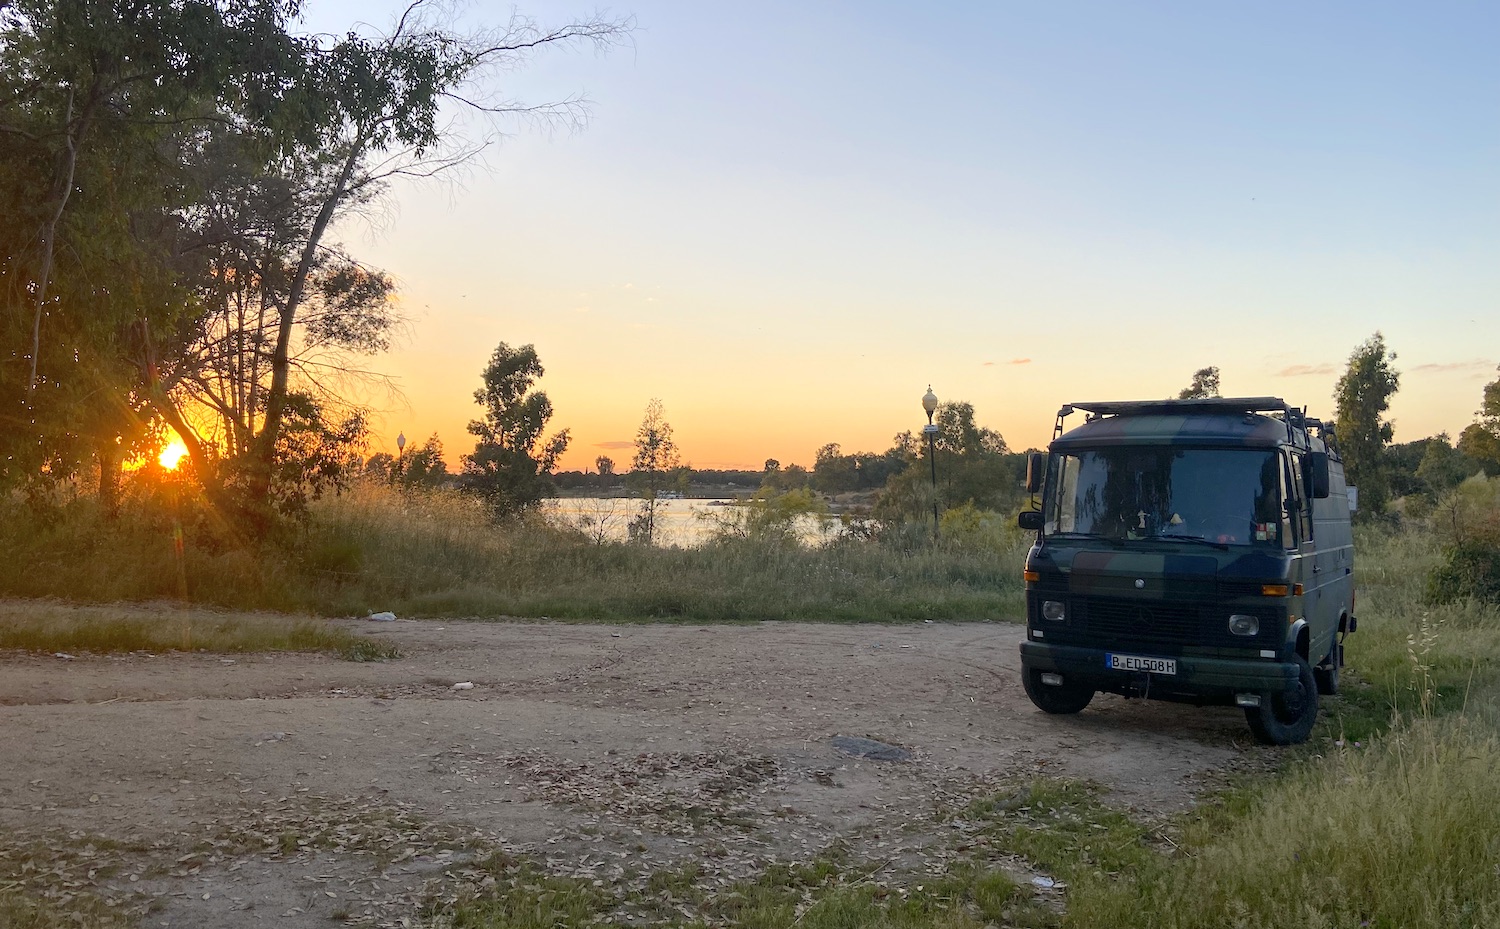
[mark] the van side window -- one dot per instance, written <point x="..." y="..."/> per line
<point x="1288" y="497"/>
<point x="1304" y="508"/>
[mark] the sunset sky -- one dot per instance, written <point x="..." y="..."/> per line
<point x="786" y="219"/>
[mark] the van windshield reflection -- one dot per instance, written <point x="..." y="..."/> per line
<point x="1214" y="495"/>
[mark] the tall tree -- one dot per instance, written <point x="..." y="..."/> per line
<point x="1361" y="398"/>
<point x="655" y="458"/>
<point x="606" y="468"/>
<point x="1480" y="440"/>
<point x="974" y="466"/>
<point x="319" y="121"/>
<point x="378" y="117"/>
<point x="91" y="95"/>
<point x="512" y="463"/>
<point x="1205" y="384"/>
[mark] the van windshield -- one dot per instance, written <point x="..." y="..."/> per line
<point x="1224" y="496"/>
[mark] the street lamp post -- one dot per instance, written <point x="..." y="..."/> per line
<point x="400" y="453"/>
<point x="929" y="403"/>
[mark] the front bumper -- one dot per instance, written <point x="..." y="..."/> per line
<point x="1205" y="679"/>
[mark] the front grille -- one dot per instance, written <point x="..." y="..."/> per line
<point x="1143" y="620"/>
<point x="1233" y="588"/>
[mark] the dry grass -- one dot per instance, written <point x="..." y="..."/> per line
<point x="51" y="627"/>
<point x="438" y="553"/>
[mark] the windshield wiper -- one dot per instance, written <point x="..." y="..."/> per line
<point x="1110" y="540"/>
<point x="1189" y="538"/>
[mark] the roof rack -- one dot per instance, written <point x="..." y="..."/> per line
<point x="1290" y="415"/>
<point x="1204" y="405"/>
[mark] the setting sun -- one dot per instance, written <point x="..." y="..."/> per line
<point x="172" y="455"/>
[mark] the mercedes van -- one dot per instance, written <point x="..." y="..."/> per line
<point x="1190" y="550"/>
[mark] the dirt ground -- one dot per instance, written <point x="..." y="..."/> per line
<point x="289" y="790"/>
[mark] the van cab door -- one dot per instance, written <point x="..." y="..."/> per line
<point x="1319" y="568"/>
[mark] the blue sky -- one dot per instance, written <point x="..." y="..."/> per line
<point x="786" y="220"/>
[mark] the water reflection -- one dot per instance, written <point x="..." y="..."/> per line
<point x="684" y="523"/>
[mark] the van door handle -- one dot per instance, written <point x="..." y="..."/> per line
<point x="1316" y="569"/>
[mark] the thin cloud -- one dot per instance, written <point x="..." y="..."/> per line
<point x="1019" y="361"/>
<point x="1477" y="364"/>
<point x="1300" y="370"/>
<point x="988" y="364"/>
<point x="614" y="445"/>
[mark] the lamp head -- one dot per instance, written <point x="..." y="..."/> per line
<point x="929" y="402"/>
<point x="400" y="442"/>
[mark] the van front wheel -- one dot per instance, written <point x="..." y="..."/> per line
<point x="1065" y="698"/>
<point x="1287" y="718"/>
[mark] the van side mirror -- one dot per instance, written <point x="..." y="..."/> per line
<point x="1036" y="470"/>
<point x="1030" y="520"/>
<point x="1315" y="466"/>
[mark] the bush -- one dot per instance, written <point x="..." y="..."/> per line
<point x="1468" y="523"/>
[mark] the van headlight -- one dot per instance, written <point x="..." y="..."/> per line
<point x="1240" y="624"/>
<point x="1054" y="611"/>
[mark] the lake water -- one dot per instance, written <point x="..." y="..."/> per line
<point x="678" y="522"/>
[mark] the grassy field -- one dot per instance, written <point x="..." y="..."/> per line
<point x="437" y="554"/>
<point x="50" y="627"/>
<point x="1387" y="818"/>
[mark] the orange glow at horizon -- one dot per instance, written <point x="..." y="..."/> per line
<point x="172" y="455"/>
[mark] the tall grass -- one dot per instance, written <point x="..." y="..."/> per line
<point x="439" y="554"/>
<point x="53" y="627"/>
<point x="1389" y="819"/>
<point x="1400" y="835"/>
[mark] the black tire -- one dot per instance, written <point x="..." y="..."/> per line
<point x="1328" y="675"/>
<point x="1063" y="699"/>
<point x="1287" y="718"/>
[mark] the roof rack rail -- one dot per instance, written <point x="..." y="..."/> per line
<point x="1296" y="419"/>
<point x="1204" y="405"/>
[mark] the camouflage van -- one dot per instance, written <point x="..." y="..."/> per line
<point x="1190" y="550"/>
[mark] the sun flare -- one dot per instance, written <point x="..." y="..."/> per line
<point x="172" y="455"/>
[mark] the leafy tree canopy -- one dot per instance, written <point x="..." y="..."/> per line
<point x="1361" y="397"/>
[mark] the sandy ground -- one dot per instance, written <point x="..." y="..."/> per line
<point x="197" y="790"/>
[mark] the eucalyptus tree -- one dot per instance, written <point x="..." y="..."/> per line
<point x="656" y="457"/>
<point x="512" y="464"/>
<point x="376" y="111"/>
<point x="88" y="92"/>
<point x="170" y="171"/>
<point x="1362" y="397"/>
<point x="1205" y="384"/>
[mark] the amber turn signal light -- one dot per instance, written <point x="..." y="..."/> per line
<point x="1031" y="577"/>
<point x="1280" y="590"/>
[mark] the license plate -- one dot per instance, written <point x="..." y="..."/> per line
<point x="1141" y="663"/>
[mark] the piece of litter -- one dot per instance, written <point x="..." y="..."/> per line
<point x="386" y="616"/>
<point x="464" y="685"/>
<point x="1044" y="882"/>
<point x="63" y="655"/>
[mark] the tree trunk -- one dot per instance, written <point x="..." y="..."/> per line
<point x="62" y="190"/>
<point x="109" y="478"/>
<point x="263" y="454"/>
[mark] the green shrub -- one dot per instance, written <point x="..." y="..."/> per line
<point x="1468" y="524"/>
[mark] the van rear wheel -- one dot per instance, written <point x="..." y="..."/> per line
<point x="1287" y="718"/>
<point x="1063" y="699"/>
<point x="1328" y="675"/>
